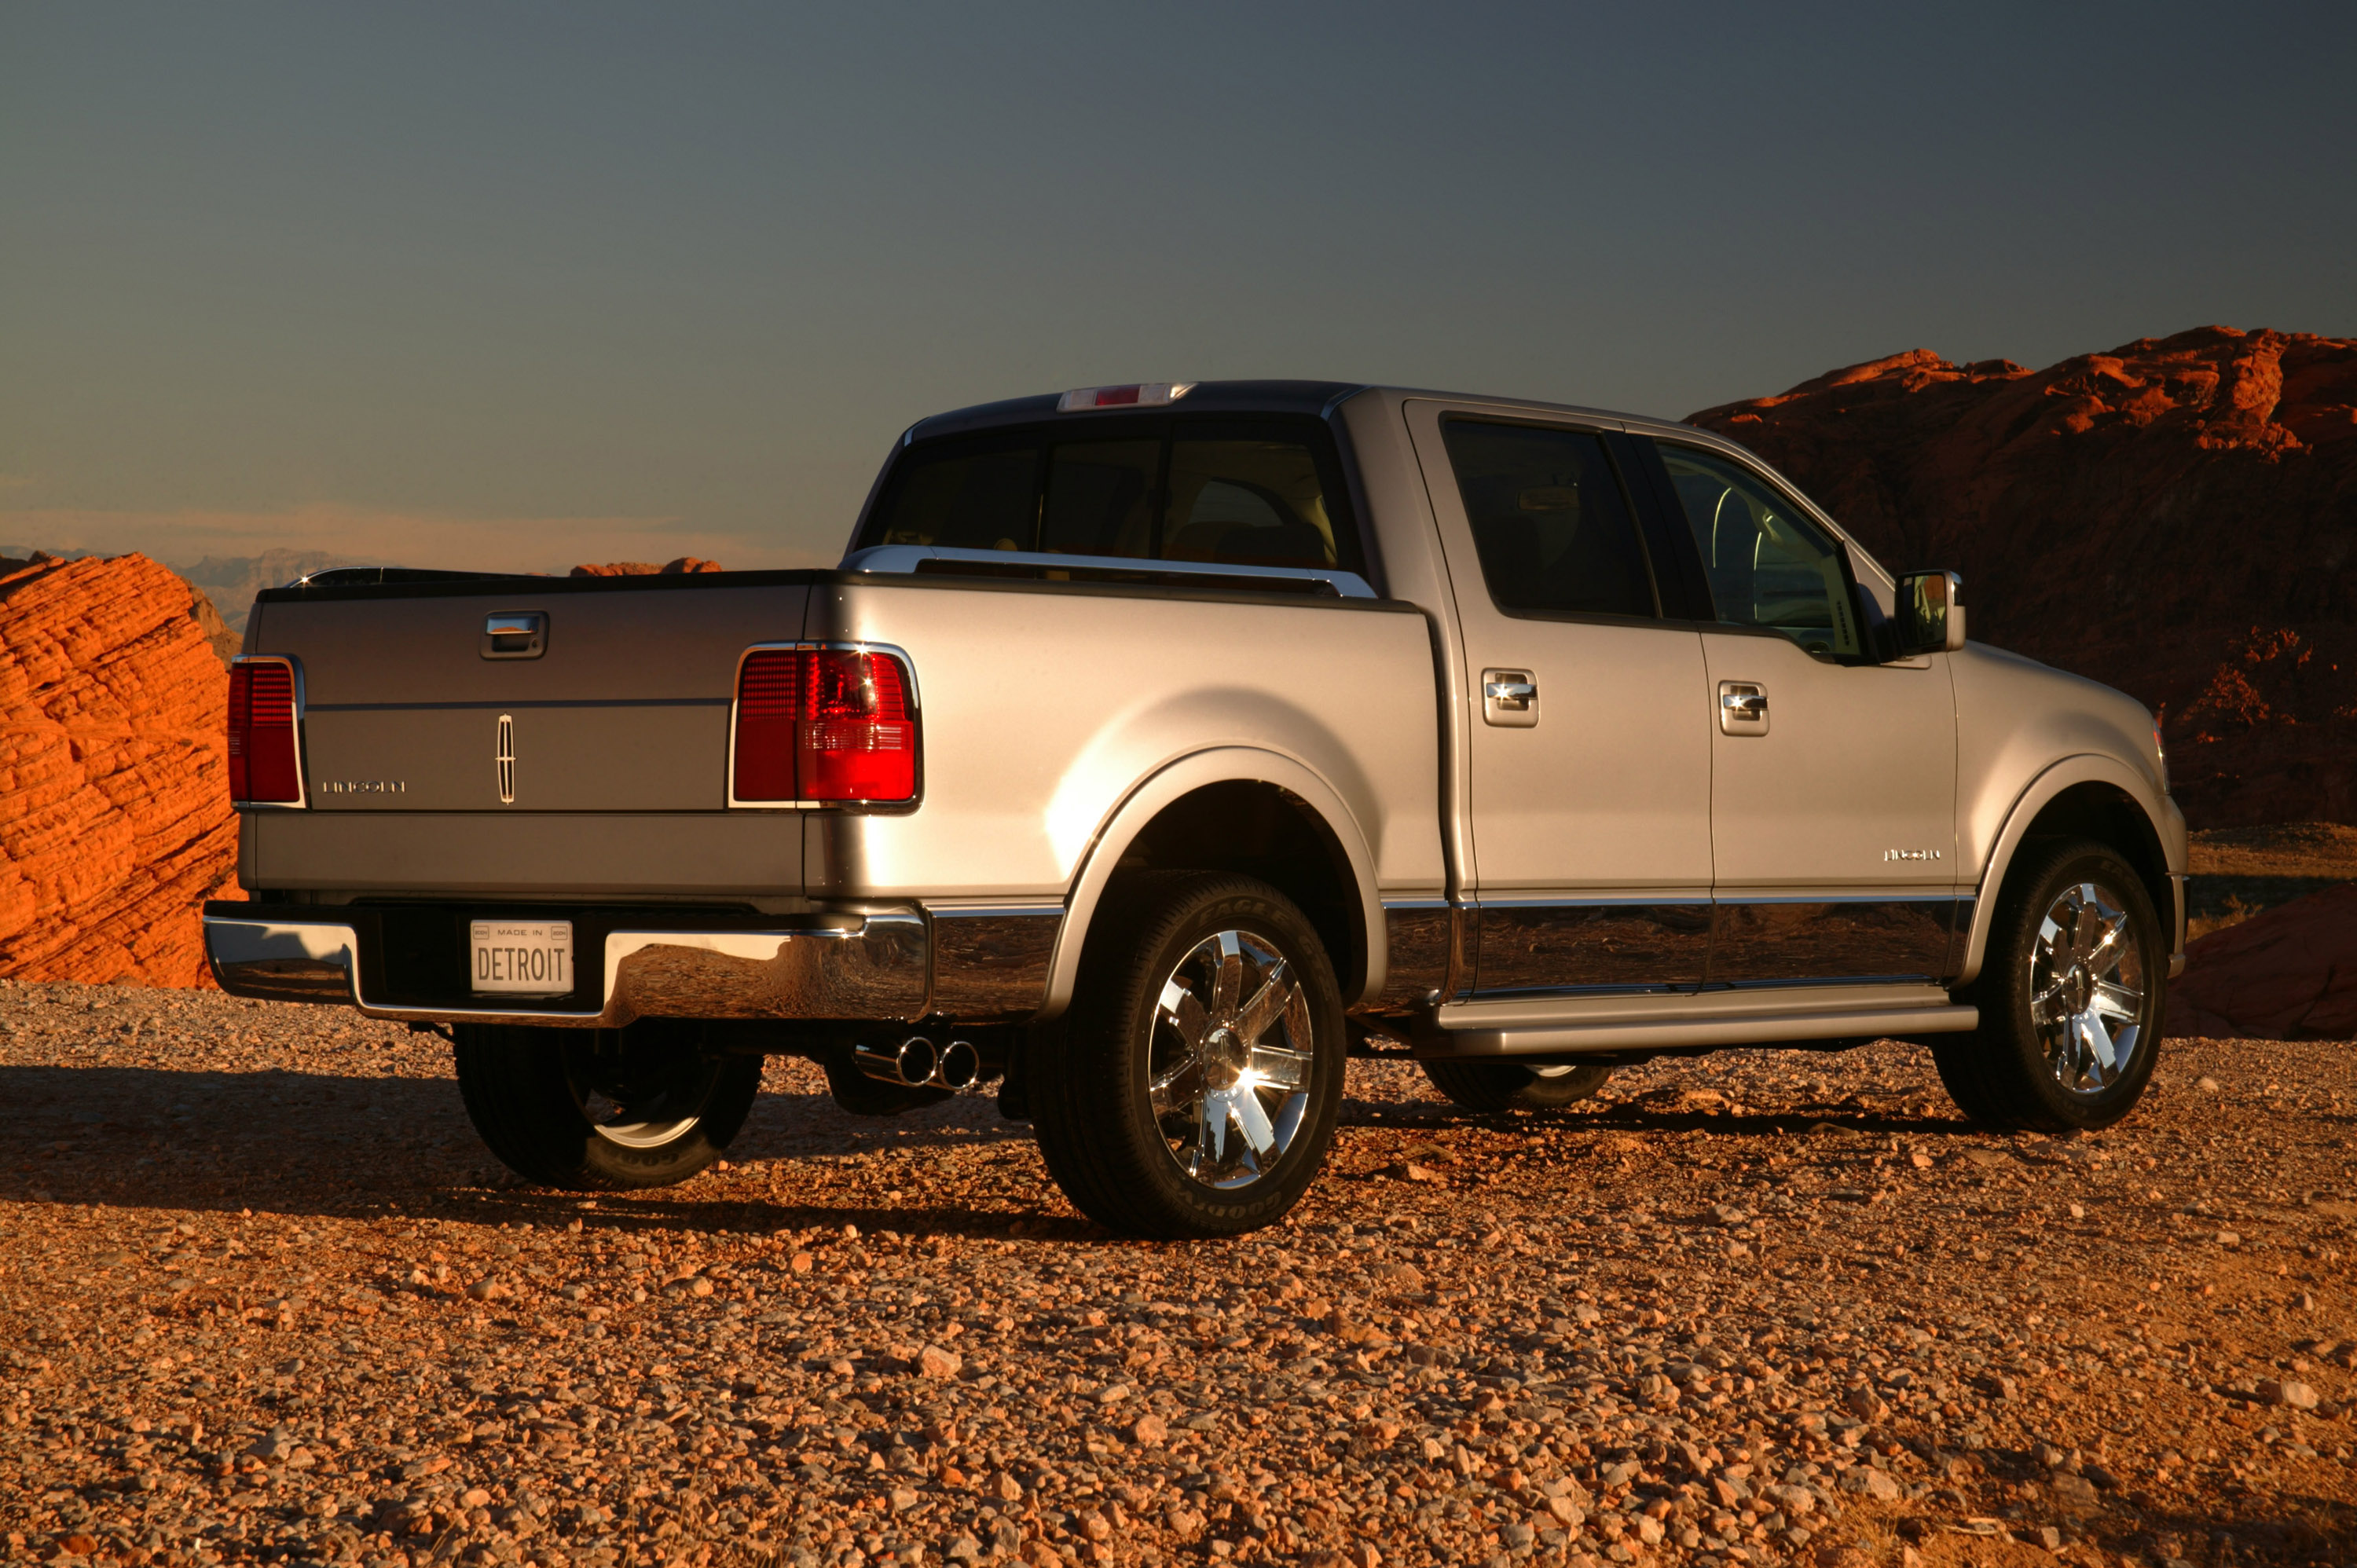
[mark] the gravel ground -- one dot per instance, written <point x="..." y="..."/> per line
<point x="263" y="1297"/>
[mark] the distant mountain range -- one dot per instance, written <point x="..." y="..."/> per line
<point x="2176" y="517"/>
<point x="232" y="581"/>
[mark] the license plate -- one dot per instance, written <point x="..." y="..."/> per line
<point x="523" y="957"/>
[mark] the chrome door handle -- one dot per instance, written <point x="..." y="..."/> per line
<point x="1510" y="698"/>
<point x="1742" y="708"/>
<point x="1510" y="694"/>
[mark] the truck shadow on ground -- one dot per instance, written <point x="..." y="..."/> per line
<point x="328" y="1143"/>
<point x="323" y="1143"/>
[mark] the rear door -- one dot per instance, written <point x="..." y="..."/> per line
<point x="1833" y="776"/>
<point x="1588" y="795"/>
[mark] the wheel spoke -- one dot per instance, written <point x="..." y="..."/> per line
<point x="1227" y="975"/>
<point x="1274" y="1067"/>
<point x="2116" y="1001"/>
<point x="1268" y="1003"/>
<point x="2096" y="1038"/>
<point x="1211" y="1134"/>
<point x="1252" y="1119"/>
<point x="1183" y="1010"/>
<point x="1179" y="1088"/>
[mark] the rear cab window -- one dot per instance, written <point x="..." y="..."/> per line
<point x="1247" y="491"/>
<point x="1551" y="522"/>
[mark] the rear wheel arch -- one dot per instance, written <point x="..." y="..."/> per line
<point x="2089" y="798"/>
<point x="1253" y="813"/>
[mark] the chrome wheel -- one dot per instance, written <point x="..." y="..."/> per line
<point x="2088" y="988"/>
<point x="1228" y="1069"/>
<point x="646" y="1094"/>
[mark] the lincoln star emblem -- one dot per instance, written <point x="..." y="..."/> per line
<point x="503" y="757"/>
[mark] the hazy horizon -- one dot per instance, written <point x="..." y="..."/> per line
<point x="525" y="287"/>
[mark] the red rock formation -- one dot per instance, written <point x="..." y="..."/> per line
<point x="647" y="568"/>
<point x="114" y="819"/>
<point x="2289" y="974"/>
<point x="2177" y="518"/>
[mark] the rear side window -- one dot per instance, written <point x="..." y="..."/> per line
<point x="1250" y="502"/>
<point x="1101" y="498"/>
<point x="1768" y="565"/>
<point x="1553" y="528"/>
<point x="964" y="498"/>
<point x="1236" y="491"/>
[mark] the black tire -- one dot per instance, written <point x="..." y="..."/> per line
<point x="603" y="1110"/>
<point x="1493" y="1087"/>
<point x="1089" y="1080"/>
<point x="2010" y="1073"/>
<point x="861" y="1095"/>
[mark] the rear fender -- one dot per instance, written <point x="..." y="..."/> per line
<point x="1160" y="790"/>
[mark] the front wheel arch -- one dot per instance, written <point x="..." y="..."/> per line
<point x="2088" y="798"/>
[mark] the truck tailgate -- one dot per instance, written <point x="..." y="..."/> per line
<point x="626" y="709"/>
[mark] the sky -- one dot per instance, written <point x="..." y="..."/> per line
<point x="520" y="285"/>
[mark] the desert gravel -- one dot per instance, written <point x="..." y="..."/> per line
<point x="263" y="1297"/>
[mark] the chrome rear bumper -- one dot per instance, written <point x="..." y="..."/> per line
<point x="868" y="965"/>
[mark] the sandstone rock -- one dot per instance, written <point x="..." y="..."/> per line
<point x="935" y="1362"/>
<point x="114" y="819"/>
<point x="2169" y="518"/>
<point x="2289" y="974"/>
<point x="647" y="568"/>
<point x="2289" y="1393"/>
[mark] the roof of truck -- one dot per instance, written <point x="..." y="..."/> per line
<point x="1225" y="397"/>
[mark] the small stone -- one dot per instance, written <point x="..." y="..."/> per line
<point x="964" y="1549"/>
<point x="2288" y="1392"/>
<point x="902" y="1500"/>
<point x="1005" y="1488"/>
<point x="1868" y="1481"/>
<point x="1148" y="1431"/>
<point x="1866" y="1404"/>
<point x="2047" y="1536"/>
<point x="2206" y="1084"/>
<point x="801" y="1262"/>
<point x="933" y="1361"/>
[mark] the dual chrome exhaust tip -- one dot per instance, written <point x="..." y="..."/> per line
<point x="918" y="1063"/>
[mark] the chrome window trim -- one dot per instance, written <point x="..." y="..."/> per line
<point x="736" y="686"/>
<point x="302" y="801"/>
<point x="901" y="560"/>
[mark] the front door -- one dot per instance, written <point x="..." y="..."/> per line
<point x="1589" y="763"/>
<point x="1833" y="776"/>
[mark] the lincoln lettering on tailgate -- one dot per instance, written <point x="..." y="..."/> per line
<point x="530" y="958"/>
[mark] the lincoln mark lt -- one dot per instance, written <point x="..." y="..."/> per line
<point x="1155" y="749"/>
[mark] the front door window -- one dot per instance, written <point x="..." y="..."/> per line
<point x="1768" y="565"/>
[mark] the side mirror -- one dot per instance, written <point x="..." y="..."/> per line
<point x="1930" y="618"/>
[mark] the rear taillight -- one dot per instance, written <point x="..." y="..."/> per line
<point x="823" y="725"/>
<point x="265" y="757"/>
<point x="769" y="687"/>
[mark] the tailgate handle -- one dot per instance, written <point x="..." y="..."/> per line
<point x="515" y="634"/>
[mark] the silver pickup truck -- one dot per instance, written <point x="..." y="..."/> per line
<point x="1155" y="749"/>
